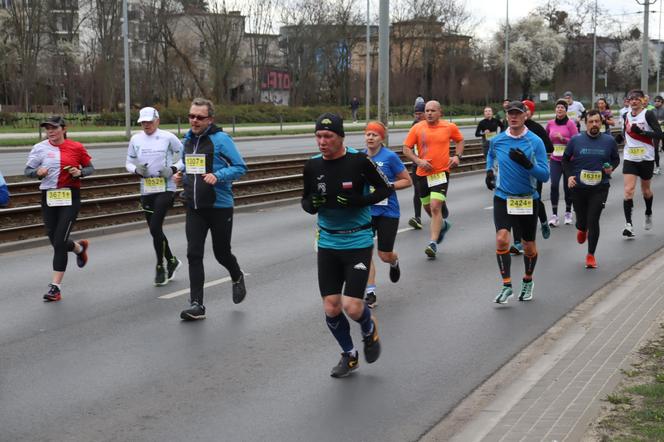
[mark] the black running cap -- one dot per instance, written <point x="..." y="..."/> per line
<point x="55" y="120"/>
<point x="516" y="105"/>
<point x="332" y="122"/>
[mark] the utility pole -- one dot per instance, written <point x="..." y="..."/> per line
<point x="367" y="94"/>
<point x="592" y="96"/>
<point x="659" y="47"/>
<point x="384" y="62"/>
<point x="507" y="44"/>
<point x="644" y="56"/>
<point x="125" y="34"/>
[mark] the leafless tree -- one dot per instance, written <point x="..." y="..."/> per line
<point x="259" y="15"/>
<point x="106" y="21"/>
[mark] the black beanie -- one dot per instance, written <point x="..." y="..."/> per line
<point x="332" y="122"/>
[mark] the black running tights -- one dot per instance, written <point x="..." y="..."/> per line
<point x="156" y="206"/>
<point x="220" y="224"/>
<point x="58" y="222"/>
<point x="588" y="205"/>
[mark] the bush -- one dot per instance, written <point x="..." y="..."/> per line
<point x="7" y="118"/>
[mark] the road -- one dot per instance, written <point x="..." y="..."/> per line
<point x="113" y="155"/>
<point x="113" y="362"/>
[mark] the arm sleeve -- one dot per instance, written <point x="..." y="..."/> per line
<point x="656" y="132"/>
<point x="236" y="167"/>
<point x="130" y="164"/>
<point x="307" y="190"/>
<point x="540" y="169"/>
<point x="478" y="130"/>
<point x="175" y="149"/>
<point x="87" y="170"/>
<point x="378" y="180"/>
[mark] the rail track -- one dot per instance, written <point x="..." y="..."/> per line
<point x="111" y="195"/>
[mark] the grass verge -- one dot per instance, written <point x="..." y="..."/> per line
<point x="635" y="410"/>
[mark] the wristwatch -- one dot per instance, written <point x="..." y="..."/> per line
<point x="459" y="155"/>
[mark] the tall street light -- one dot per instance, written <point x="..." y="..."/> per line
<point x="659" y="46"/>
<point x="644" y="56"/>
<point x="507" y="44"/>
<point x="367" y="93"/>
<point x="592" y="96"/>
<point x="384" y="62"/>
<point x="125" y="34"/>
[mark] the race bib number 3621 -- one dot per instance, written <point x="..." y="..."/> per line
<point x="195" y="164"/>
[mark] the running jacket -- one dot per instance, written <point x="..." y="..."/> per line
<point x="586" y="153"/>
<point x="4" y="192"/>
<point x="340" y="227"/>
<point x="512" y="179"/>
<point x="56" y="159"/>
<point x="221" y="158"/>
<point x="159" y="150"/>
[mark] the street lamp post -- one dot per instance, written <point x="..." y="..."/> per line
<point x="384" y="62"/>
<point x="644" y="56"/>
<point x="659" y="46"/>
<point x="367" y="94"/>
<point x="125" y="34"/>
<point x="507" y="44"/>
<point x="592" y="96"/>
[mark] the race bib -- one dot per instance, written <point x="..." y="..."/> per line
<point x="571" y="115"/>
<point x="591" y="177"/>
<point x="372" y="189"/>
<point x="636" y="151"/>
<point x="154" y="185"/>
<point x="58" y="197"/>
<point x="602" y="128"/>
<point x="520" y="205"/>
<point x="195" y="164"/>
<point x="490" y="135"/>
<point x="437" y="179"/>
<point x="558" y="150"/>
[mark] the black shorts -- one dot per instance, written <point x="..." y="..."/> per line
<point x="503" y="220"/>
<point x="386" y="229"/>
<point x="150" y="201"/>
<point x="437" y="192"/>
<point x="339" y="267"/>
<point x="642" y="169"/>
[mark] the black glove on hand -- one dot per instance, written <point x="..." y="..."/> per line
<point x="490" y="180"/>
<point x="317" y="200"/>
<point x="142" y="170"/>
<point x="519" y="157"/>
<point x="347" y="199"/>
<point x="636" y="129"/>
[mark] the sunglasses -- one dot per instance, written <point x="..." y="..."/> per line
<point x="198" y="117"/>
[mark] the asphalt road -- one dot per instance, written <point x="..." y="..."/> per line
<point x="114" y="155"/>
<point x="113" y="362"/>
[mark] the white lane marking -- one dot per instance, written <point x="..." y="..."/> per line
<point x="488" y="208"/>
<point x="206" y="285"/>
<point x="405" y="229"/>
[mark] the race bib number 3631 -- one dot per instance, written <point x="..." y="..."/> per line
<point x="590" y="177"/>
<point x="517" y="205"/>
<point x="195" y="164"/>
<point x="58" y="197"/>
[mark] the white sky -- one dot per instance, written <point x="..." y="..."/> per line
<point x="492" y="13"/>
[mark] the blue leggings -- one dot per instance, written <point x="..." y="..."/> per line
<point x="556" y="169"/>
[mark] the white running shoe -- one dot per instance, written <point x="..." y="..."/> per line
<point x="656" y="171"/>
<point x="554" y="221"/>
<point x="568" y="218"/>
<point x="648" y="224"/>
<point x="628" y="231"/>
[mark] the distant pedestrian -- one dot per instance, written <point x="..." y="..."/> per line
<point x="419" y="100"/>
<point x="355" y="107"/>
<point x="4" y="192"/>
<point x="575" y="110"/>
<point x="416" y="221"/>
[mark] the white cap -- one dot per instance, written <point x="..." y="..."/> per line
<point x="148" y="114"/>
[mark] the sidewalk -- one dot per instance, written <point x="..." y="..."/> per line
<point x="552" y="390"/>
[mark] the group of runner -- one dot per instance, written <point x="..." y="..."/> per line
<point x="352" y="193"/>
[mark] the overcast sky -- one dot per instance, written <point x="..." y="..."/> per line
<point x="492" y="13"/>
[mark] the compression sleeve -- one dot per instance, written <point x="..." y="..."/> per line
<point x="87" y="170"/>
<point x="656" y="132"/>
<point x="307" y="191"/>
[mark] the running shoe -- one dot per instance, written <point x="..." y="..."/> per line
<point x="546" y="231"/>
<point x="371" y="300"/>
<point x="656" y="171"/>
<point x="346" y="365"/>
<point x="648" y="223"/>
<point x="415" y="223"/>
<point x="628" y="231"/>
<point x="172" y="266"/>
<point x="160" y="276"/>
<point x="431" y="250"/>
<point x="526" y="290"/>
<point x="82" y="257"/>
<point x="516" y="249"/>
<point x="395" y="272"/>
<point x="195" y="312"/>
<point x="554" y="221"/>
<point x="372" y="344"/>
<point x="53" y="293"/>
<point x="581" y="236"/>
<point x="239" y="290"/>
<point x="504" y="294"/>
<point x="446" y="228"/>
<point x="590" y="261"/>
<point x="568" y="218"/>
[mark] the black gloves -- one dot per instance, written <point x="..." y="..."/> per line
<point x="636" y="129"/>
<point x="490" y="180"/>
<point x="313" y="203"/>
<point x="347" y="199"/>
<point x="519" y="157"/>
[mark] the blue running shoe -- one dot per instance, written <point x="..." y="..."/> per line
<point x="431" y="250"/>
<point x="446" y="228"/>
